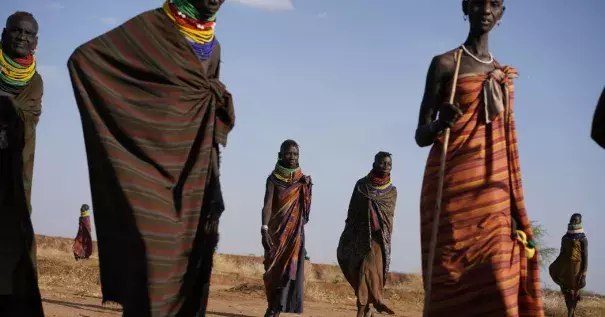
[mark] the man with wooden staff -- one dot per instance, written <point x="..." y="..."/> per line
<point x="479" y="237"/>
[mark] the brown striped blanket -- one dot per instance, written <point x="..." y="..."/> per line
<point x="356" y="239"/>
<point x="152" y="121"/>
<point x="479" y="270"/>
<point x="19" y="115"/>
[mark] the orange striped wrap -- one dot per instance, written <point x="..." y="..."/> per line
<point x="479" y="270"/>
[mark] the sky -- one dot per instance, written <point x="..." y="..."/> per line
<point x="345" y="79"/>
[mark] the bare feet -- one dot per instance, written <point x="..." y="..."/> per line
<point x="382" y="308"/>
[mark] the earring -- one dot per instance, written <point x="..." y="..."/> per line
<point x="464" y="17"/>
<point x="498" y="24"/>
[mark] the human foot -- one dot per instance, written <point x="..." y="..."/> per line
<point x="382" y="308"/>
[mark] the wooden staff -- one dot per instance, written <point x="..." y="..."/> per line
<point x="436" y="215"/>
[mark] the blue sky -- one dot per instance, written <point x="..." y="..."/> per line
<point x="345" y="78"/>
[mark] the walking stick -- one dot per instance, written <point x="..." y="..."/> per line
<point x="436" y="215"/>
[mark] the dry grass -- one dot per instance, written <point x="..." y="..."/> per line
<point x="324" y="283"/>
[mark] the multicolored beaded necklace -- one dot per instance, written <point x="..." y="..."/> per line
<point x="379" y="183"/>
<point x="287" y="175"/>
<point x="18" y="72"/>
<point x="200" y="35"/>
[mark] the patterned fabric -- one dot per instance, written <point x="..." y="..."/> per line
<point x="18" y="117"/>
<point x="28" y="105"/>
<point x="290" y="209"/>
<point x="82" y="246"/>
<point x="566" y="269"/>
<point x="153" y="120"/>
<point x="479" y="270"/>
<point x="356" y="239"/>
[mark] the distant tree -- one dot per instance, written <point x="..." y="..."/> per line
<point x="547" y="254"/>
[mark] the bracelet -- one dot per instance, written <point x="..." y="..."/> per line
<point x="264" y="228"/>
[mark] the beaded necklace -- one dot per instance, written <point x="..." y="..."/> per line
<point x="287" y="175"/>
<point x="17" y="72"/>
<point x="200" y="35"/>
<point x="379" y="183"/>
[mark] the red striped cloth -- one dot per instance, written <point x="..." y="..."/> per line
<point x="479" y="270"/>
<point x="82" y="246"/>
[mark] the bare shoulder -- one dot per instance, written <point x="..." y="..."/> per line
<point x="443" y="65"/>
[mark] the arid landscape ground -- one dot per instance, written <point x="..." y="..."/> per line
<point x="72" y="289"/>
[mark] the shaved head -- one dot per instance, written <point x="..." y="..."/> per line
<point x="20" y="35"/>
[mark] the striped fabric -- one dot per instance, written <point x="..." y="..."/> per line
<point x="28" y="103"/>
<point x="152" y="122"/>
<point x="479" y="270"/>
<point x="18" y="274"/>
<point x="82" y="247"/>
<point x="289" y="213"/>
<point x="355" y="241"/>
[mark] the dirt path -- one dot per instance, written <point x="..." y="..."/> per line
<point x="223" y="303"/>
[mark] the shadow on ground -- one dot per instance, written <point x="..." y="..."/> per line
<point x="89" y="307"/>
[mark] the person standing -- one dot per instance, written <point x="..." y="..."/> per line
<point x="480" y="267"/>
<point x="571" y="266"/>
<point x="364" y="250"/>
<point x="154" y="113"/>
<point x="82" y="247"/>
<point x="21" y="90"/>
<point x="286" y="210"/>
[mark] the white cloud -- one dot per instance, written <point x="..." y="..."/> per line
<point x="277" y="5"/>
<point x="56" y="5"/>
<point x="322" y="15"/>
<point x="111" y="21"/>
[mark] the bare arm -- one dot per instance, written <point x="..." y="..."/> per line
<point x="270" y="188"/>
<point x="429" y="128"/>
<point x="598" y="122"/>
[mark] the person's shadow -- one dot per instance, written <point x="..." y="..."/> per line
<point x="227" y="314"/>
<point x="89" y="307"/>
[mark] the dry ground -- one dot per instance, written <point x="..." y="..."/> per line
<point x="71" y="289"/>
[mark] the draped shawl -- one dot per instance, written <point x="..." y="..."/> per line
<point x="21" y="114"/>
<point x="290" y="212"/>
<point x="152" y="121"/>
<point x="355" y="241"/>
<point x="82" y="247"/>
<point x="479" y="270"/>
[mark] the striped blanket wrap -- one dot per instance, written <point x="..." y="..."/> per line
<point x="479" y="269"/>
<point x="153" y="121"/>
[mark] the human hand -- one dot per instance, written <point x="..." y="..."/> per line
<point x="449" y="114"/>
<point x="266" y="239"/>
